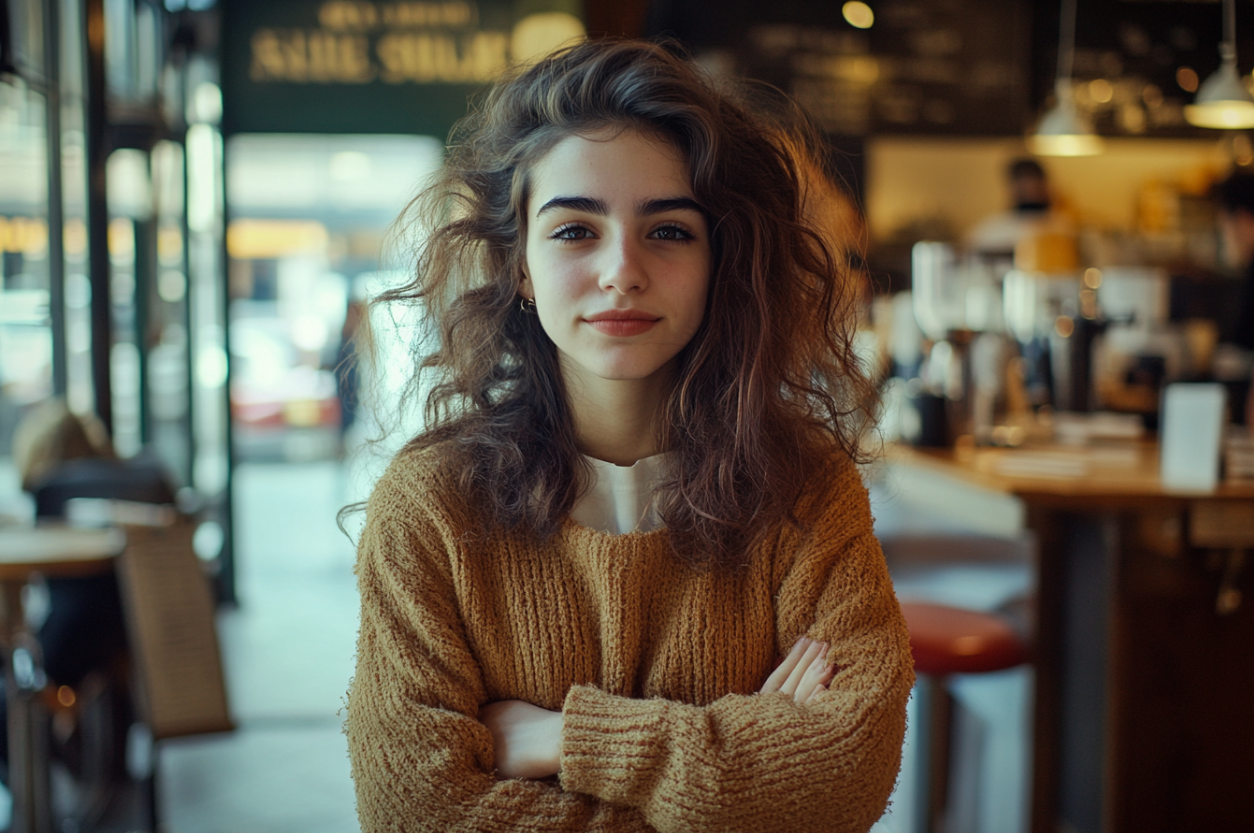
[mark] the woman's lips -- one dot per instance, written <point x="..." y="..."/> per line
<point x="622" y="324"/>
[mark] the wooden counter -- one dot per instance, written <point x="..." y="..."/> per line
<point x="1144" y="644"/>
<point x="1123" y="472"/>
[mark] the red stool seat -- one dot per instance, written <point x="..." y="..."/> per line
<point x="949" y="640"/>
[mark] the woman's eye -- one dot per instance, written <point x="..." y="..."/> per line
<point x="572" y="232"/>
<point x="672" y="233"/>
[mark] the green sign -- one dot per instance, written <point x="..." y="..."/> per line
<point x="350" y="66"/>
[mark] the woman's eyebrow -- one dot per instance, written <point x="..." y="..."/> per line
<point x="661" y="206"/>
<point x="588" y="205"/>
<point x="592" y="205"/>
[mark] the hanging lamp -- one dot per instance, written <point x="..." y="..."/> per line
<point x="1063" y="130"/>
<point x="1222" y="101"/>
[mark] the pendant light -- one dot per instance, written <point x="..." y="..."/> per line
<point x="1222" y="101"/>
<point x="1063" y="130"/>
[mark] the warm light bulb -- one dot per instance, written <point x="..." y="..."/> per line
<point x="1063" y="131"/>
<point x="1221" y="115"/>
<point x="1101" y="90"/>
<point x="1074" y="144"/>
<point x="858" y="14"/>
<point x="1222" y="102"/>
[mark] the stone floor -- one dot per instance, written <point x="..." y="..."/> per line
<point x="288" y="651"/>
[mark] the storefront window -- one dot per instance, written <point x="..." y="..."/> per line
<point x="168" y="368"/>
<point x="309" y="216"/>
<point x="77" y="288"/>
<point x="160" y="254"/>
<point x="25" y="323"/>
<point x="130" y="208"/>
<point x="133" y="46"/>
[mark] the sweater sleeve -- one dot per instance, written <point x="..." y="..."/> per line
<point x="761" y="762"/>
<point x="421" y="761"/>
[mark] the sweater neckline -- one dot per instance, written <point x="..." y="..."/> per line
<point x="572" y="527"/>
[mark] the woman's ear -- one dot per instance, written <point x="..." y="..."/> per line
<point x="525" y="289"/>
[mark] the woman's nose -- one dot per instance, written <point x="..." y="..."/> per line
<point x="624" y="268"/>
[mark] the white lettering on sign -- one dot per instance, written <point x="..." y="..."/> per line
<point x="396" y="43"/>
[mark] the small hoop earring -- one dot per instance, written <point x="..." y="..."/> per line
<point x="527" y="305"/>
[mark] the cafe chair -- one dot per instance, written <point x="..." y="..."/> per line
<point x="84" y="639"/>
<point x="944" y="641"/>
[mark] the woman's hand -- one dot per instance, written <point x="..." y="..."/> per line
<point x="804" y="673"/>
<point x="528" y="739"/>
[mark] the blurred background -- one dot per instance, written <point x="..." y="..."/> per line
<point x="196" y="198"/>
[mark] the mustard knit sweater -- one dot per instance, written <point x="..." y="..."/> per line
<point x="653" y="664"/>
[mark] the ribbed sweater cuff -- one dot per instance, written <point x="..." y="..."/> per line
<point x="611" y="746"/>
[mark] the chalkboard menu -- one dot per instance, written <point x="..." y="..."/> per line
<point x="937" y="67"/>
<point x="968" y="67"/>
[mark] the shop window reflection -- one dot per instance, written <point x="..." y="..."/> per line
<point x="309" y="218"/>
<point x="130" y="216"/>
<point x="207" y="326"/>
<point x="169" y="391"/>
<point x="133" y="55"/>
<point x="25" y="322"/>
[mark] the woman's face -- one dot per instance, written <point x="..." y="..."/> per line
<point x="617" y="254"/>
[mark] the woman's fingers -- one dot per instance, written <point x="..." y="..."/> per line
<point x="803" y="673"/>
<point x="815" y="651"/>
<point x="819" y="690"/>
<point x="785" y="668"/>
<point x="817" y="676"/>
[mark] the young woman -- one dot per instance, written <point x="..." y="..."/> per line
<point x="636" y="489"/>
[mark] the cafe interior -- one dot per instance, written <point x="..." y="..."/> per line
<point x="1042" y="215"/>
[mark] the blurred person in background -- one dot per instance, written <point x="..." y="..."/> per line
<point x="1032" y="211"/>
<point x="636" y="492"/>
<point x="61" y="455"/>
<point x="1234" y="198"/>
<point x="347" y="383"/>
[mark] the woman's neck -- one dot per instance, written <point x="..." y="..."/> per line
<point x="616" y="420"/>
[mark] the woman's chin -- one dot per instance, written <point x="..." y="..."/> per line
<point x="630" y="370"/>
<point x="629" y="375"/>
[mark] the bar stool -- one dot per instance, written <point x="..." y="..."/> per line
<point x="948" y="640"/>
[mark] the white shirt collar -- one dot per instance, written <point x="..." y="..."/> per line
<point x="621" y="497"/>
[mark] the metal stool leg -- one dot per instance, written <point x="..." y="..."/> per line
<point x="28" y="737"/>
<point x="934" y="731"/>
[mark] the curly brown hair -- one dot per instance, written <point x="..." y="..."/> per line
<point x="766" y="392"/>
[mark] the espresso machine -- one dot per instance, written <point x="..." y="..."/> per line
<point x="1055" y="339"/>
<point x="1051" y="308"/>
<point x="957" y="308"/>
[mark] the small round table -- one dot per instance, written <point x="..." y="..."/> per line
<point x="54" y="552"/>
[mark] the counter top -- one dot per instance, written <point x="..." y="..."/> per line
<point x="1105" y="472"/>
